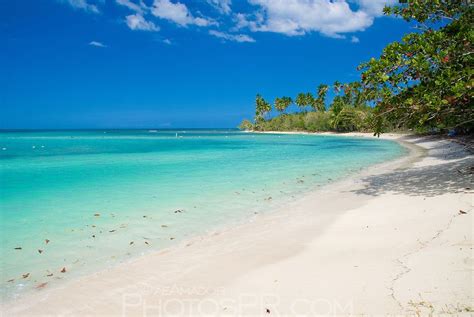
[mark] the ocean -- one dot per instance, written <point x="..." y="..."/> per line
<point x="82" y="201"/>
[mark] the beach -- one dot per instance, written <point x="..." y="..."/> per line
<point x="395" y="238"/>
<point x="237" y="158"/>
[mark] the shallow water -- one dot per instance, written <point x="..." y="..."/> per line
<point x="103" y="197"/>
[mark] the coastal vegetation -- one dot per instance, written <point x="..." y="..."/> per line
<point x="422" y="83"/>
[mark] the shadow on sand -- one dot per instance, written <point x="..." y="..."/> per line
<point x="454" y="174"/>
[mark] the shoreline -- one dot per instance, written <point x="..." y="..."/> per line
<point x="265" y="244"/>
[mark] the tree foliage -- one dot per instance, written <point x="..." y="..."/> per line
<point x="246" y="125"/>
<point x="262" y="107"/>
<point x="317" y="121"/>
<point x="320" y="102"/>
<point x="304" y="100"/>
<point x="425" y="80"/>
<point x="281" y="104"/>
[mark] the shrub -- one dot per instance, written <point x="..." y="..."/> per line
<point x="348" y="119"/>
<point x="246" y="125"/>
<point x="317" y="121"/>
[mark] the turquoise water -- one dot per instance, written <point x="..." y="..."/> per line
<point x="93" y="193"/>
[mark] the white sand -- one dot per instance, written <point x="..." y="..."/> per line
<point x="391" y="240"/>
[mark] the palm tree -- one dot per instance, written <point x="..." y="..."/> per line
<point x="262" y="107"/>
<point x="304" y="100"/>
<point x="278" y="104"/>
<point x="281" y="104"/>
<point x="287" y="101"/>
<point x="309" y="99"/>
<point x="337" y="86"/>
<point x="301" y="100"/>
<point x="320" y="102"/>
<point x="358" y="97"/>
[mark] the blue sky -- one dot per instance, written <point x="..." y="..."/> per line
<point x="165" y="64"/>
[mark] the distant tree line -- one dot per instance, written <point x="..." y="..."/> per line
<point x="422" y="83"/>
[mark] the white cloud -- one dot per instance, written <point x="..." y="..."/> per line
<point x="138" y="22"/>
<point x="375" y="7"/>
<point x="167" y="41"/>
<point x="298" y="17"/>
<point x="178" y="13"/>
<point x="137" y="7"/>
<point x="223" y="6"/>
<point x="355" y="39"/>
<point x="232" y="37"/>
<point x="333" y="18"/>
<point x="83" y="5"/>
<point x="97" y="44"/>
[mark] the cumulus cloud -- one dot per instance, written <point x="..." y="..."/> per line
<point x="298" y="17"/>
<point x="178" y="13"/>
<point x="232" y="37"/>
<point x="223" y="6"/>
<point x="333" y="18"/>
<point x="167" y="41"/>
<point x="139" y="7"/>
<point x="138" y="22"/>
<point x="83" y="5"/>
<point x="97" y="44"/>
<point x="375" y="7"/>
<point x="355" y="39"/>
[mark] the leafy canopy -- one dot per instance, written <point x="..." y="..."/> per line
<point x="425" y="80"/>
